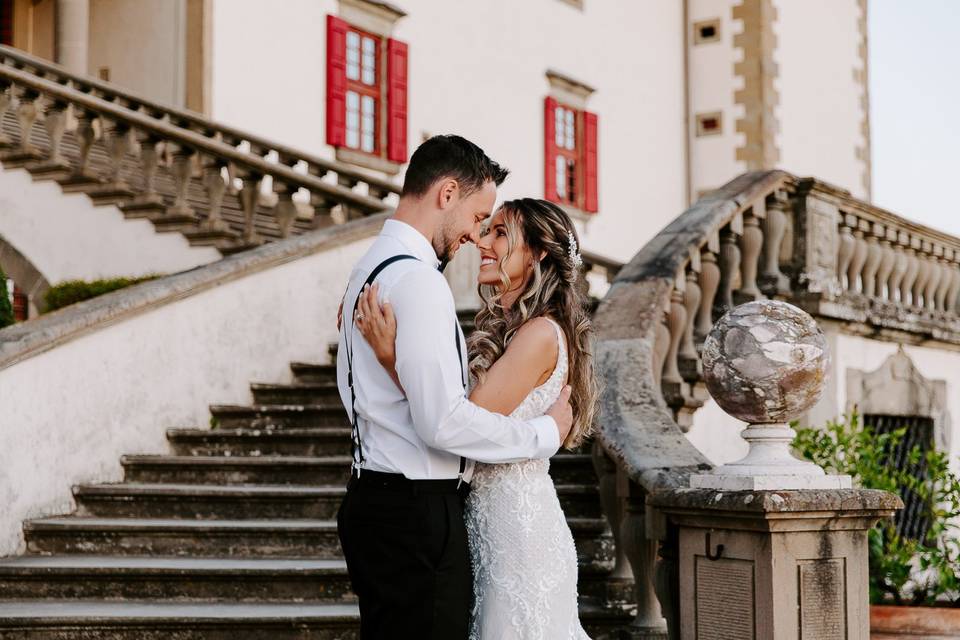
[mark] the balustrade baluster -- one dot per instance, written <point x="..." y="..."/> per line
<point x="27" y="114"/>
<point x="249" y="197"/>
<point x="182" y="170"/>
<point x="954" y="291"/>
<point x="887" y="260"/>
<point x="913" y="270"/>
<point x="642" y="553"/>
<point x="751" y="242"/>
<point x="6" y="99"/>
<point x="612" y="506"/>
<point x="118" y="137"/>
<point x="872" y="264"/>
<point x="286" y="209"/>
<point x="149" y="161"/>
<point x="923" y="275"/>
<point x="660" y="347"/>
<point x="709" y="281"/>
<point x="899" y="266"/>
<point x="215" y="186"/>
<point x="946" y="282"/>
<point x="845" y="251"/>
<point x="729" y="268"/>
<point x="55" y="122"/>
<point x="676" y="322"/>
<point x="859" y="258"/>
<point x="691" y="302"/>
<point x="933" y="281"/>
<point x="772" y="280"/>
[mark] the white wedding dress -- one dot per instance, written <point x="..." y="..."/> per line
<point x="524" y="560"/>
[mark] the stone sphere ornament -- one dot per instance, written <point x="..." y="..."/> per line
<point x="765" y="362"/>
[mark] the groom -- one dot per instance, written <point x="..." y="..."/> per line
<point x="401" y="523"/>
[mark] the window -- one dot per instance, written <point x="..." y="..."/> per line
<point x="21" y="307"/>
<point x="709" y="124"/>
<point x="571" y="156"/>
<point x="366" y="92"/>
<point x="913" y="520"/>
<point x="706" y="31"/>
<point x="6" y="22"/>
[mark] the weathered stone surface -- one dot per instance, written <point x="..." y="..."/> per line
<point x="765" y="362"/>
<point x="777" y="501"/>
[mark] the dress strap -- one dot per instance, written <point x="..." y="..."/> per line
<point x="561" y="346"/>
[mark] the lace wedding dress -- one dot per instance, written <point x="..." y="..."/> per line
<point x="524" y="560"/>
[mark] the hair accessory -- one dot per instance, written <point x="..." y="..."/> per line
<point x="573" y="251"/>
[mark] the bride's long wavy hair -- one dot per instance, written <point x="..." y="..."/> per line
<point x="555" y="289"/>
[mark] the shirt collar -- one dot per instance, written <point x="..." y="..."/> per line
<point x="412" y="239"/>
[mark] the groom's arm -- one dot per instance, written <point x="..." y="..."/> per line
<point x="429" y="369"/>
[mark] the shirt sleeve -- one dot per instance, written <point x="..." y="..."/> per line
<point x="431" y="373"/>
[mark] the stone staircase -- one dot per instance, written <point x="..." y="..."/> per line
<point x="233" y="534"/>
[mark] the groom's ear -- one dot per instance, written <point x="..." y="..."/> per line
<point x="447" y="193"/>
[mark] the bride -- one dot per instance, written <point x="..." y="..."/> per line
<point x="532" y="337"/>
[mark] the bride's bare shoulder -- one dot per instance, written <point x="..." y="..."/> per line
<point x="536" y="336"/>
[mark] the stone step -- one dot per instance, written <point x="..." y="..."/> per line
<point x="69" y="620"/>
<point x="260" y="442"/>
<point x="299" y="393"/>
<point x="594" y="542"/>
<point x="572" y="468"/>
<point x="188" y="538"/>
<point x="279" y="416"/>
<point x="78" y="577"/>
<point x="299" y="470"/>
<point x="205" y="501"/>
<point x="580" y="500"/>
<point x="308" y="373"/>
<point x="611" y="622"/>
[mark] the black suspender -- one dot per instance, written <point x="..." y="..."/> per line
<point x="356" y="444"/>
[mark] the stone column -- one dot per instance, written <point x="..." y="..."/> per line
<point x="73" y="34"/>
<point x="770" y="546"/>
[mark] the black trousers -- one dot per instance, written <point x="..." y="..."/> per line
<point x="406" y="549"/>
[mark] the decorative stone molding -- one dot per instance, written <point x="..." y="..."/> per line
<point x="897" y="388"/>
<point x="376" y="17"/>
<point x="569" y="91"/>
<point x="759" y="96"/>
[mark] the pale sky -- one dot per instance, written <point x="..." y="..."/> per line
<point x="915" y="109"/>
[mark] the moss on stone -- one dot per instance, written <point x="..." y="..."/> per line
<point x="73" y="291"/>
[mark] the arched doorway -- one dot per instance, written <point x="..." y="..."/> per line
<point x="26" y="284"/>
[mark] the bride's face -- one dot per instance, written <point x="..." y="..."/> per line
<point x="495" y="255"/>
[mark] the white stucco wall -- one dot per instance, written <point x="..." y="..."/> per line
<point x="480" y="72"/>
<point x="820" y="111"/>
<point x="712" y="85"/>
<point x="70" y="413"/>
<point x="142" y="43"/>
<point x="67" y="238"/>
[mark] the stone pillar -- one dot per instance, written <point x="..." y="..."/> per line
<point x="771" y="547"/>
<point x="73" y="34"/>
<point x="781" y="565"/>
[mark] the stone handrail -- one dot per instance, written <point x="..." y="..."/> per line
<point x="258" y="145"/>
<point x="197" y="161"/>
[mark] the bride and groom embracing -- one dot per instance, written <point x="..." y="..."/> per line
<point x="451" y="526"/>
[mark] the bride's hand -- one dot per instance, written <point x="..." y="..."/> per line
<point x="378" y="326"/>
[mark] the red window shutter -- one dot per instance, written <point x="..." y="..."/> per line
<point x="396" y="100"/>
<point x="550" y="150"/>
<point x="590" y="201"/>
<point x="336" y="81"/>
<point x="6" y="22"/>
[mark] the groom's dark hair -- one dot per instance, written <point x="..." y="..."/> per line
<point x="450" y="156"/>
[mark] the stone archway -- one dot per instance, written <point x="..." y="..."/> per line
<point x="23" y="272"/>
<point x="897" y="388"/>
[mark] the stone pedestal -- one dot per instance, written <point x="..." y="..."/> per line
<point x="774" y="565"/>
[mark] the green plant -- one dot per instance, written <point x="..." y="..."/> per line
<point x="6" y="309"/>
<point x="902" y="570"/>
<point x="73" y="291"/>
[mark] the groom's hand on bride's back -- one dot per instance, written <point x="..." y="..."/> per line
<point x="562" y="413"/>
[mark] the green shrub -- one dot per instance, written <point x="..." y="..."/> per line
<point x="902" y="571"/>
<point x="6" y="309"/>
<point x="73" y="291"/>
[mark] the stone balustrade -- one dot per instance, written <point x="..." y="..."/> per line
<point x="174" y="167"/>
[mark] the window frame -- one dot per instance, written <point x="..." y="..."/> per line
<point x="576" y="155"/>
<point x="376" y="91"/>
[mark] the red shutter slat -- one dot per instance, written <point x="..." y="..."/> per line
<point x="590" y="200"/>
<point x="396" y="100"/>
<point x="550" y="150"/>
<point x="336" y="81"/>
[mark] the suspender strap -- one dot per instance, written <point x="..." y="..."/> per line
<point x="356" y="443"/>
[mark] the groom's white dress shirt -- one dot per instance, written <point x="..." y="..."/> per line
<point x="423" y="432"/>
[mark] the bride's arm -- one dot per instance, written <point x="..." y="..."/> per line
<point x="527" y="362"/>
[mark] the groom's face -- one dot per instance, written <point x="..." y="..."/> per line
<point x="462" y="221"/>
